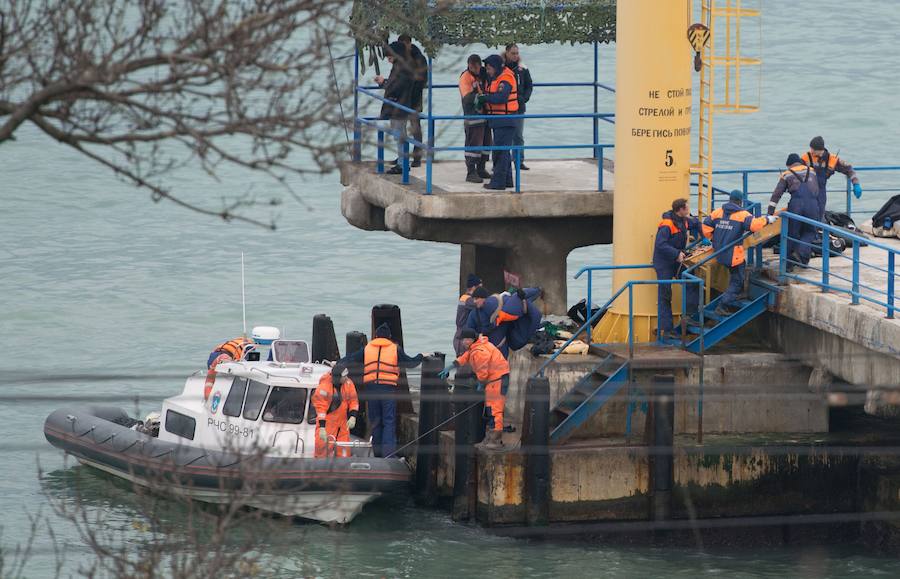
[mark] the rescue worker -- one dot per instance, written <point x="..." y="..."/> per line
<point x="501" y="99"/>
<point x="382" y="360"/>
<point x="464" y="308"/>
<point x="492" y="371"/>
<point x="398" y="88"/>
<point x="801" y="182"/>
<point x="337" y="407"/>
<point x="668" y="255"/>
<point x="419" y="65"/>
<point x="825" y="164"/>
<point x="483" y="319"/>
<point x="724" y="226"/>
<point x="471" y="84"/>
<point x="525" y="85"/>
<point x="230" y="351"/>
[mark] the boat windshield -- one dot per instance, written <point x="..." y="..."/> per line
<point x="285" y="405"/>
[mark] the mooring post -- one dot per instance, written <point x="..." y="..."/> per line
<point x="427" y="454"/>
<point x="536" y="446"/>
<point x="468" y="433"/>
<point x="355" y="342"/>
<point x="324" y="341"/>
<point x="663" y="402"/>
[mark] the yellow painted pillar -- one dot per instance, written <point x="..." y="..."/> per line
<point x="653" y="146"/>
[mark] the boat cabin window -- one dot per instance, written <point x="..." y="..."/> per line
<point x="290" y="351"/>
<point x="180" y="424"/>
<point x="235" y="400"/>
<point x="285" y="405"/>
<point x="256" y="395"/>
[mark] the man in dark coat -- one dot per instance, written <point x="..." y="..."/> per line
<point x="525" y="86"/>
<point x="398" y="88"/>
<point x="419" y="65"/>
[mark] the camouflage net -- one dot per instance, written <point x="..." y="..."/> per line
<point x="491" y="22"/>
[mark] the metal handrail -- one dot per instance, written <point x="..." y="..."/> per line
<point x="855" y="285"/>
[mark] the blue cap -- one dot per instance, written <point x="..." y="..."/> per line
<point x="736" y="196"/>
<point x="473" y="280"/>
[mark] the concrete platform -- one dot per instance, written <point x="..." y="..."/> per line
<point x="529" y="234"/>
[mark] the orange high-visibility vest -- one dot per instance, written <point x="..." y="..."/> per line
<point x="381" y="362"/>
<point x="234" y="348"/>
<point x="511" y="106"/>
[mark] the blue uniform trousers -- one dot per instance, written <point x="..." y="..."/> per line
<point x="381" y="405"/>
<point x="806" y="205"/>
<point x="664" y="298"/>
<point x="735" y="285"/>
<point x="502" y="176"/>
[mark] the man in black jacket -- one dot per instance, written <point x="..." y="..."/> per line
<point x="398" y="87"/>
<point x="525" y="86"/>
<point x="419" y="65"/>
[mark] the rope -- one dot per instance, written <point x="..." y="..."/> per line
<point x="418" y="438"/>
<point x="337" y="89"/>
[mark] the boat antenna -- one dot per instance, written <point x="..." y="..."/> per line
<point x="243" y="297"/>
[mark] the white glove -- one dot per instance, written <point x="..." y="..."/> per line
<point x="323" y="436"/>
<point x="351" y="423"/>
<point x="771" y="218"/>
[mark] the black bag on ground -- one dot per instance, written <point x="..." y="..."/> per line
<point x="578" y="312"/>
<point x="890" y="209"/>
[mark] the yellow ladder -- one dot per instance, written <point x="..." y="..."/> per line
<point x="724" y="20"/>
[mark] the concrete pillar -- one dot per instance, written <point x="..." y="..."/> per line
<point x="536" y="446"/>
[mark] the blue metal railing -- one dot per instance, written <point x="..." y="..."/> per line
<point x="598" y="149"/>
<point x="853" y="285"/>
<point x="852" y="206"/>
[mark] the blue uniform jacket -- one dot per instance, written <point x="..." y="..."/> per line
<point x="671" y="239"/>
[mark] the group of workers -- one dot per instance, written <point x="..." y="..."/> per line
<point x="498" y="86"/>
<point x="804" y="179"/>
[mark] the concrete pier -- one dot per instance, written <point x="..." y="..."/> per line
<point x="529" y="234"/>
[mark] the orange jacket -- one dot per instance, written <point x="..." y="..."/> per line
<point x="381" y="363"/>
<point x="511" y="106"/>
<point x="327" y="401"/>
<point x="234" y="348"/>
<point x="486" y="361"/>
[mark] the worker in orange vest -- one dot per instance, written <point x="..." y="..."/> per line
<point x="337" y="406"/>
<point x="230" y="351"/>
<point x="382" y="360"/>
<point x="500" y="100"/>
<point x="492" y="371"/>
<point x="825" y="164"/>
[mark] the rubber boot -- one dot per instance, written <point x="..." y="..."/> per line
<point x="482" y="172"/>
<point x="472" y="175"/>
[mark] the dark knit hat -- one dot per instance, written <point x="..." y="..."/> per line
<point x="473" y="280"/>
<point x="817" y="144"/>
<point x="383" y="331"/>
<point x="736" y="196"/>
<point x="467" y="333"/>
<point x="793" y="159"/>
<point x="495" y="61"/>
<point x="480" y="293"/>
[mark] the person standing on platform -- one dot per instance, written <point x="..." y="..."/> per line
<point x="825" y="165"/>
<point x="382" y="360"/>
<point x="398" y="87"/>
<point x="471" y="84"/>
<point x="668" y="255"/>
<point x="337" y="407"/>
<point x="800" y="180"/>
<point x="419" y="65"/>
<point x="725" y="225"/>
<point x="525" y="86"/>
<point x="501" y="100"/>
<point x="492" y="371"/>
<point x="464" y="308"/>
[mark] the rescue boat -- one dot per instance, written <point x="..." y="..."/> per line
<point x="252" y="440"/>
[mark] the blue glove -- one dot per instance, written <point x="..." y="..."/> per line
<point x="479" y="387"/>
<point x="857" y="190"/>
<point x="446" y="371"/>
<point x="705" y="241"/>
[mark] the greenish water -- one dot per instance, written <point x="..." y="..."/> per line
<point x="96" y="280"/>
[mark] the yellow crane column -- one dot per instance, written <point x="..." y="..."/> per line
<point x="653" y="147"/>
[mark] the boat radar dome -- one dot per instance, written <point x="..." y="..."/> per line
<point x="265" y="335"/>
